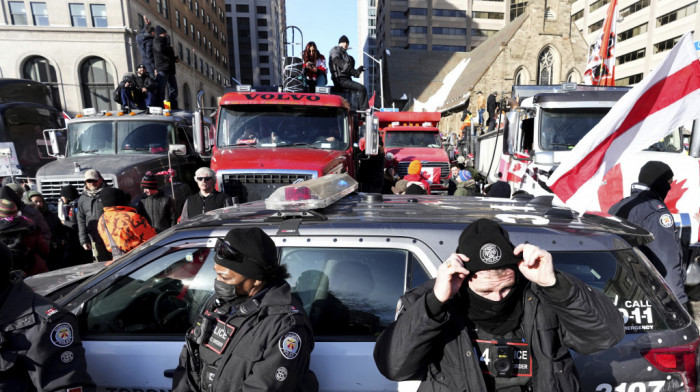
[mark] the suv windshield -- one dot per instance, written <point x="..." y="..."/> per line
<point x="281" y="126"/>
<point x="122" y="137"/>
<point x="412" y="139"/>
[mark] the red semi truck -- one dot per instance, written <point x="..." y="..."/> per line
<point x="415" y="135"/>
<point x="265" y="140"/>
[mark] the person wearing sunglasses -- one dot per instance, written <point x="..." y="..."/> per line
<point x="252" y="334"/>
<point x="90" y="210"/>
<point x="207" y="199"/>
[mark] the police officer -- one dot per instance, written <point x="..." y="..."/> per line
<point x="252" y="334"/>
<point x="645" y="207"/>
<point x="496" y="318"/>
<point x="39" y="344"/>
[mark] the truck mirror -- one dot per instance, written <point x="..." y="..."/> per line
<point x="52" y="148"/>
<point x="371" y="135"/>
<point x="177" y="149"/>
<point x="198" y="132"/>
<point x="200" y="99"/>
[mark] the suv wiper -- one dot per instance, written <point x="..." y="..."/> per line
<point x="86" y="151"/>
<point x="299" y="144"/>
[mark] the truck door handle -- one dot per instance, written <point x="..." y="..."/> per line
<point x="169" y="373"/>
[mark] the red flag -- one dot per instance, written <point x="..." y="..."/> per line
<point x="668" y="97"/>
<point x="371" y="100"/>
<point x="600" y="70"/>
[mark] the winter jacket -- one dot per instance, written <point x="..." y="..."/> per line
<point x="197" y="204"/>
<point x="41" y="347"/>
<point x="123" y="227"/>
<point x="466" y="188"/>
<point x="342" y="65"/>
<point x="262" y="344"/>
<point x="645" y="208"/>
<point x="28" y="246"/>
<point x="491" y="105"/>
<point x="418" y="178"/>
<point x="164" y="57"/>
<point x="481" y="102"/>
<point x="159" y="211"/>
<point x="418" y="346"/>
<point x="89" y="211"/>
<point x="145" y="43"/>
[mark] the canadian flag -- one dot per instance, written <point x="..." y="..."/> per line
<point x="668" y="97"/>
<point x="431" y="174"/>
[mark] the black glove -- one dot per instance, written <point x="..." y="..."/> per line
<point x="361" y="69"/>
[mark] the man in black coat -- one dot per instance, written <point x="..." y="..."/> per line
<point x="342" y="67"/>
<point x="452" y="333"/>
<point x="156" y="207"/>
<point x="207" y="199"/>
<point x="145" y="44"/>
<point x="40" y="346"/>
<point x="90" y="210"/>
<point x="645" y="207"/>
<point x="492" y="109"/>
<point x="253" y="334"/>
<point x="164" y="60"/>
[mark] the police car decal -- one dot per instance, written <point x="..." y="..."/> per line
<point x="62" y="335"/>
<point x="290" y="344"/>
<point x="637" y="315"/>
<point x="666" y="220"/>
<point x="67" y="357"/>
<point x="281" y="373"/>
<point x="490" y="253"/>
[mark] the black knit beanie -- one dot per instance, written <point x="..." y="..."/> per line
<point x="487" y="245"/>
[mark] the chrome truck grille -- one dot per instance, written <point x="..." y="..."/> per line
<point x="251" y="186"/>
<point x="444" y="168"/>
<point x="51" y="188"/>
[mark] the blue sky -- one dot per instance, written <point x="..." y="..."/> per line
<point x="324" y="22"/>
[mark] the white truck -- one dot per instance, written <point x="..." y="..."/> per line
<point x="540" y="132"/>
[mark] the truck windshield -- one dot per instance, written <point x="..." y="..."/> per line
<point x="562" y="129"/>
<point x="283" y="126"/>
<point x="412" y="139"/>
<point x="118" y="137"/>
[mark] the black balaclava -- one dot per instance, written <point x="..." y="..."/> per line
<point x="496" y="317"/>
<point x="656" y="175"/>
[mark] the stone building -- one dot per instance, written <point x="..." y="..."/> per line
<point x="541" y="46"/>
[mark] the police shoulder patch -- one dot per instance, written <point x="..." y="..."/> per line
<point x="62" y="335"/>
<point x="289" y="345"/>
<point x="666" y="220"/>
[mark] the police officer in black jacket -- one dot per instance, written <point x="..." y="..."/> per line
<point x="40" y="348"/>
<point x="645" y="207"/>
<point x="252" y="334"/>
<point x="496" y="318"/>
<point x="207" y="199"/>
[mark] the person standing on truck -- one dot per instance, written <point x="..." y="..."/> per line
<point x="645" y="207"/>
<point x="342" y="67"/>
<point x="120" y="227"/>
<point x="144" y="41"/>
<point x="164" y="60"/>
<point x="252" y="334"/>
<point x="90" y="210"/>
<point x="40" y="345"/>
<point x="156" y="207"/>
<point x="207" y="199"/>
<point x="507" y="308"/>
<point x="492" y="109"/>
<point x="480" y="107"/>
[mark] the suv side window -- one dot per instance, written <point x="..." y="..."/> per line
<point x="349" y="292"/>
<point x="161" y="298"/>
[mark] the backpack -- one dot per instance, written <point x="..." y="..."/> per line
<point x="117" y="95"/>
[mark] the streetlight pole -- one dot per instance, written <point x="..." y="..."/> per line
<point x="381" y="76"/>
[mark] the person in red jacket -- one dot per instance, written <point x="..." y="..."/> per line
<point x="120" y="227"/>
<point x="416" y="176"/>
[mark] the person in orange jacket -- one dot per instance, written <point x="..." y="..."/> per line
<point x="416" y="176"/>
<point x="120" y="227"/>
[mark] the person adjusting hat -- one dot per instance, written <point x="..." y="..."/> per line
<point x="486" y="295"/>
<point x="645" y="207"/>
<point x="252" y="333"/>
<point x="40" y="345"/>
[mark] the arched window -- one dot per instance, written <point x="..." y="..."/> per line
<point x="39" y="69"/>
<point x="187" y="99"/>
<point x="573" y="76"/>
<point x="96" y="84"/>
<point x="522" y="76"/>
<point x="545" y="67"/>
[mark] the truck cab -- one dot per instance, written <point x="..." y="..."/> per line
<point x="415" y="135"/>
<point x="265" y="140"/>
<point x="123" y="147"/>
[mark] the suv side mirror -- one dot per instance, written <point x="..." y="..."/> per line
<point x="198" y="132"/>
<point x="371" y="135"/>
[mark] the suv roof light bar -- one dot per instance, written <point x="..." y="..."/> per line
<point x="312" y="194"/>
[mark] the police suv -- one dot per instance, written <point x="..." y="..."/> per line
<point x="351" y="256"/>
